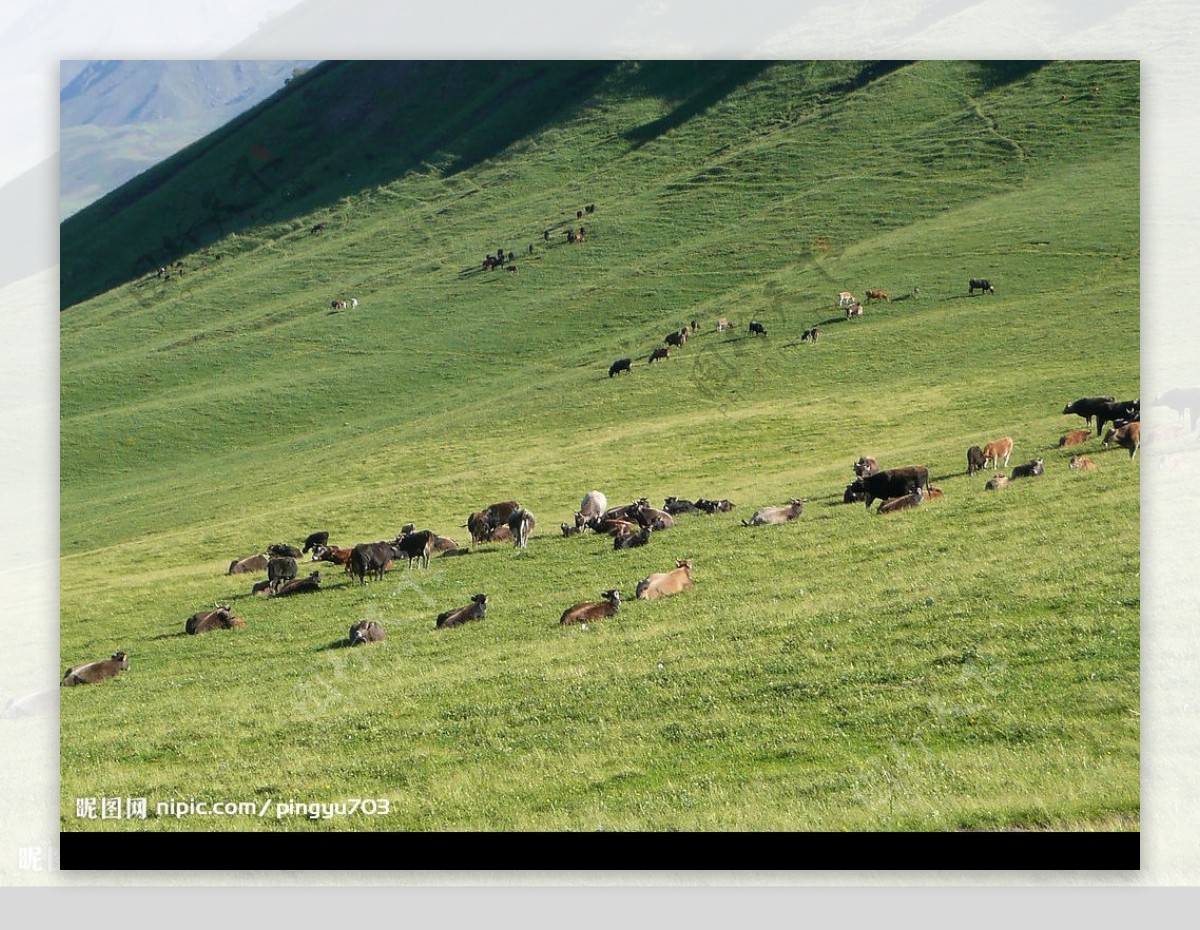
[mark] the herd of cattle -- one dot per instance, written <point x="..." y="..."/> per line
<point x="630" y="525"/>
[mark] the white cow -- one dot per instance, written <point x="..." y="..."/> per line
<point x="845" y="299"/>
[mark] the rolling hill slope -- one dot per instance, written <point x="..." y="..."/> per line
<point x="973" y="663"/>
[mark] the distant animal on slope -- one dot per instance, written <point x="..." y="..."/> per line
<point x="979" y="284"/>
<point x="757" y="329"/>
<point x="723" y="324"/>
<point x="976" y="460"/>
<point x="661" y="352"/>
<point x="711" y="507"/>
<point x="1119" y="413"/>
<point x="1029" y="469"/>
<point x="589" y="612"/>
<point x="252" y="563"/>
<point x="1127" y="437"/>
<point x="664" y="584"/>
<point x="655" y="519"/>
<point x="205" y="621"/>
<point x="414" y="547"/>
<point x="878" y="295"/>
<point x="676" y="505"/>
<point x="570" y="529"/>
<point x="845" y="299"/>
<point x="676" y="339"/>
<point x="367" y="631"/>
<point x="783" y="513"/>
<point x="476" y="610"/>
<point x="620" y="365"/>
<point x="855" y="309"/>
<point x="811" y="335"/>
<point x="1075" y="438"/>
<point x="95" y="672"/>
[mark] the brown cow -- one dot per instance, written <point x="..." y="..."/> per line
<point x="208" y="620"/>
<point x="589" y="611"/>
<point x="661" y="352"/>
<point x="298" y="586"/>
<point x="367" y="631"/>
<point x="994" y="450"/>
<point x="476" y="610"/>
<point x="1081" y="463"/>
<point x="1075" y="438"/>
<point x="902" y="503"/>
<point x="252" y="563"/>
<point x="723" y="324"/>
<point x="779" y="514"/>
<point x="878" y="295"/>
<point x="95" y="672"/>
<point x="1128" y="437"/>
<point x="666" y="583"/>
<point x="996" y="483"/>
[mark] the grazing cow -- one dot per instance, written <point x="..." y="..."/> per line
<point x="654" y="519"/>
<point x="661" y="352"/>
<point x="252" y="563"/>
<point x="314" y="540"/>
<point x="476" y="610"/>
<point x="676" y="339"/>
<point x="593" y="504"/>
<point x="477" y="523"/>
<point x="723" y="324"/>
<point x="779" y="514"/>
<point x="757" y="329"/>
<point x="1081" y="463"/>
<point x="414" y="546"/>
<point x="675" y="505"/>
<point x="982" y="285"/>
<point x="855" y="492"/>
<point x="855" y="309"/>
<point x="206" y="621"/>
<point x="283" y="551"/>
<point x="578" y="214"/>
<point x="902" y="503"/>
<point x="994" y="450"/>
<point x="337" y="305"/>
<point x="499" y="514"/>
<point x="95" y="672"/>
<point x="1127" y="437"/>
<point x="878" y="295"/>
<point x="811" y="335"/>
<point x="1087" y="407"/>
<point x="281" y="570"/>
<point x="620" y="365"/>
<point x="631" y="540"/>
<point x="1184" y="401"/>
<point x="866" y="465"/>
<point x="1116" y="411"/>
<point x="569" y="530"/>
<point x="664" y="584"/>
<point x="590" y="208"/>
<point x="316" y="229"/>
<point x="299" y="586"/>
<point x="546" y="235"/>
<point x="695" y="327"/>
<point x="1029" y="469"/>
<point x="587" y="612"/>
<point x="894" y="482"/>
<point x="711" y="507"/>
<point x="367" y="631"/>
<point x="996" y="483"/>
<point x="531" y="248"/>
<point x="976" y="460"/>
<point x="1075" y="438"/>
<point x="371" y="559"/>
<point x="845" y="299"/>
<point x="521" y="524"/>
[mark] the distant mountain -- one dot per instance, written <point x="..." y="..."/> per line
<point x="120" y="117"/>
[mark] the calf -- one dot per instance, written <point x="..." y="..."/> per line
<point x="1127" y="437"/>
<point x="367" y="631"/>
<point x="1075" y="438"/>
<point x="569" y="530"/>
<point x="976" y="460"/>
<point x="280" y="571"/>
<point x="894" y="482"/>
<point x="298" y="586"/>
<point x="845" y="299"/>
<point x="1029" y="469"/>
<point x="476" y="610"/>
<point x="711" y="507"/>
<point x="855" y="309"/>
<point x="675" y="505"/>
<point x="902" y="503"/>
<point x="1081" y="463"/>
<point x="723" y="324"/>
<point x="95" y="672"/>
<point x="589" y="612"/>
<point x="996" y="482"/>
<point x="208" y="620"/>
<point x="314" y="540"/>
<point x="620" y="365"/>
<point x="661" y="352"/>
<point x="994" y="450"/>
<point x="979" y="284"/>
<point x="333" y="555"/>
<point x="252" y="563"/>
<point x="757" y="329"/>
<point x="664" y="584"/>
<point x="774" y="515"/>
<point x="521" y="524"/>
<point x="878" y="295"/>
<point x="626" y="540"/>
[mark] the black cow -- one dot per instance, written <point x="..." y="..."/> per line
<point x="980" y="284"/>
<point x="894" y="482"/>
<point x="855" y="492"/>
<point x="1029" y="469"/>
<point x="1087" y="407"/>
<point x="757" y="329"/>
<point x="314" y="540"/>
<point x="674" y="505"/>
<point x="1128" y="410"/>
<point x="711" y="507"/>
<point x="371" y="559"/>
<point x="284" y="551"/>
<point x="620" y="365"/>
<point x="299" y="586"/>
<point x="629" y="540"/>
<point x="474" y="611"/>
<point x="975" y="460"/>
<point x="415" y="546"/>
<point x="280" y="571"/>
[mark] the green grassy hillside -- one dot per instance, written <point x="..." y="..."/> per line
<point x="970" y="664"/>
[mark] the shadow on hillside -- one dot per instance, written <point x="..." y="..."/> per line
<point x="995" y="74"/>
<point x="712" y="82"/>
<point x="871" y="72"/>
